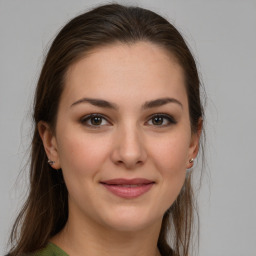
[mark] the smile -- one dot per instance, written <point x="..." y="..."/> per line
<point x="128" y="188"/>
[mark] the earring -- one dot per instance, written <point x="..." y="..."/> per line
<point x="191" y="160"/>
<point x="50" y="162"/>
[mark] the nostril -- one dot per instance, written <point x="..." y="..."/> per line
<point x="120" y="162"/>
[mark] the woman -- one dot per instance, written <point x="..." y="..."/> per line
<point x="118" y="119"/>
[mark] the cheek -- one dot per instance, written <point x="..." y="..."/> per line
<point x="170" y="159"/>
<point x="81" y="158"/>
<point x="81" y="154"/>
<point x="172" y="164"/>
<point x="170" y="154"/>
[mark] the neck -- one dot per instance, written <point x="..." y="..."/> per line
<point x="89" y="238"/>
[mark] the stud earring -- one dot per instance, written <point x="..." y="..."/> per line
<point x="191" y="160"/>
<point x="50" y="162"/>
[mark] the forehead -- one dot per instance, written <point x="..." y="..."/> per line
<point x="126" y="70"/>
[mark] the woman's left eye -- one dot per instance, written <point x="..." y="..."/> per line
<point x="94" y="120"/>
<point x="161" y="120"/>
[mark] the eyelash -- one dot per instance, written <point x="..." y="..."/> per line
<point x="88" y="117"/>
<point x="169" y="119"/>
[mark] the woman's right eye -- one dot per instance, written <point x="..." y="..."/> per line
<point x="94" y="120"/>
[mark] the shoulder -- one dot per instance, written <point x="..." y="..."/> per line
<point x="51" y="250"/>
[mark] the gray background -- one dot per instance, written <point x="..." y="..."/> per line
<point x="222" y="36"/>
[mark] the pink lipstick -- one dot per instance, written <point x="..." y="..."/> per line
<point x="128" y="188"/>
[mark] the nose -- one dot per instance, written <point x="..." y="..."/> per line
<point x="129" y="150"/>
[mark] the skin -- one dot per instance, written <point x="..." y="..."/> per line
<point x="126" y="143"/>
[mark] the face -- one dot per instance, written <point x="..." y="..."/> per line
<point x="123" y="138"/>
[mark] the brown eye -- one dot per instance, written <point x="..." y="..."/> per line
<point x="157" y="120"/>
<point x="161" y="120"/>
<point x="94" y="121"/>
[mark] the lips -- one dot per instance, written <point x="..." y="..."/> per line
<point x="128" y="188"/>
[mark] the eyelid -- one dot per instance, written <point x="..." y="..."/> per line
<point x="84" y="119"/>
<point x="170" y="119"/>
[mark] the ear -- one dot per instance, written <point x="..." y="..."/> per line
<point x="50" y="143"/>
<point x="194" y="144"/>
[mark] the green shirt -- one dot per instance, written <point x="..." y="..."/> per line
<point x="51" y="250"/>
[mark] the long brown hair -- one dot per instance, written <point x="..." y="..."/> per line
<point x="45" y="211"/>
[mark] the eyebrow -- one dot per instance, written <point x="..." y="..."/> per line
<point x="97" y="102"/>
<point x="148" y="104"/>
<point x="160" y="102"/>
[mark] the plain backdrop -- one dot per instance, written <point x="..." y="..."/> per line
<point x="222" y="36"/>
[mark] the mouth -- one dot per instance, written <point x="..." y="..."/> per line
<point x="126" y="188"/>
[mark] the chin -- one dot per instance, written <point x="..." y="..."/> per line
<point x="131" y="220"/>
